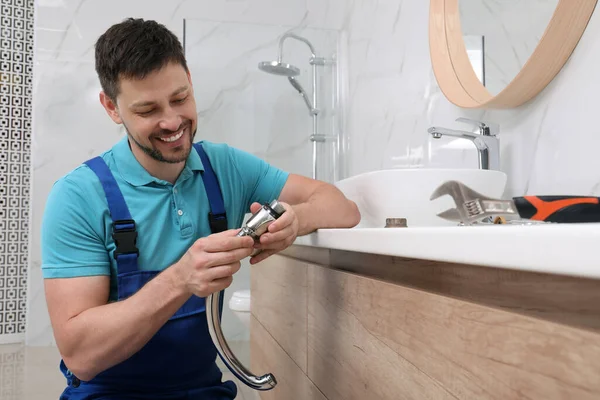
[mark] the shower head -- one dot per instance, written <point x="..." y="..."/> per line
<point x="279" y="68"/>
<point x="297" y="85"/>
<point x="302" y="92"/>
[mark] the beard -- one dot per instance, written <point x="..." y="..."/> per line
<point x="179" y="154"/>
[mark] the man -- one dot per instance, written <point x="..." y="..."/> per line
<point x="135" y="239"/>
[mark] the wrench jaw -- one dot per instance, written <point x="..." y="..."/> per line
<point x="458" y="191"/>
<point x="469" y="208"/>
<point x="451" y="214"/>
<point x="447" y="188"/>
<point x="461" y="216"/>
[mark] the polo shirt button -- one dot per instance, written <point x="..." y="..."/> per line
<point x="75" y="382"/>
<point x="180" y="213"/>
<point x="175" y="191"/>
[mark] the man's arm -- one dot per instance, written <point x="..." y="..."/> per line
<point x="318" y="205"/>
<point x="311" y="204"/>
<point x="92" y="335"/>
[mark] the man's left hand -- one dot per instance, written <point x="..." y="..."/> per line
<point x="280" y="234"/>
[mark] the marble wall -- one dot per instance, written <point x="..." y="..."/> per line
<point x="388" y="92"/>
<point x="511" y="28"/>
<point x="257" y="111"/>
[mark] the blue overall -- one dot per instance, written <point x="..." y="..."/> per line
<point x="179" y="361"/>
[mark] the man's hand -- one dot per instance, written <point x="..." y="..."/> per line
<point x="279" y="236"/>
<point x="209" y="264"/>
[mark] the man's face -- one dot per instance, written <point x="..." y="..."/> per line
<point x="159" y="113"/>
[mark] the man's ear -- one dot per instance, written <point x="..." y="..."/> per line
<point x="111" y="108"/>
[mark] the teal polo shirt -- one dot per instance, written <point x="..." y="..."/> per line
<point x="76" y="237"/>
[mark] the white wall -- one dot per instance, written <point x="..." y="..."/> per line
<point x="512" y="30"/>
<point x="253" y="110"/>
<point x="392" y="99"/>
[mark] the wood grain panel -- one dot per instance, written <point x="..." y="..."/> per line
<point x="565" y="299"/>
<point x="278" y="287"/>
<point x="371" y="339"/>
<point x="268" y="356"/>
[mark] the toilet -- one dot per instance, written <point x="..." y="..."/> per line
<point x="239" y="304"/>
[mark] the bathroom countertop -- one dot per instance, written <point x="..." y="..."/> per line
<point x="566" y="249"/>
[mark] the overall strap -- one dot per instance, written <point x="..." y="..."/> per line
<point x="123" y="226"/>
<point x="217" y="218"/>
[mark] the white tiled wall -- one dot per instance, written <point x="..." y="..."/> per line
<point x="390" y="93"/>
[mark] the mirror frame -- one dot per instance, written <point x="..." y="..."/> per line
<point x="456" y="77"/>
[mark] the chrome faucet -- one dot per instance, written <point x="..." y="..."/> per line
<point x="487" y="143"/>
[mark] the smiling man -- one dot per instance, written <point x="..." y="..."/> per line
<point x="135" y="239"/>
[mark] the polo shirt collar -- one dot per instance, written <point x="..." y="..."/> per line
<point x="133" y="172"/>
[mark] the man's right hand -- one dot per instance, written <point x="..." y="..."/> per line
<point x="209" y="264"/>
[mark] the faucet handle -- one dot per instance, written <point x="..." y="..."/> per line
<point x="486" y="129"/>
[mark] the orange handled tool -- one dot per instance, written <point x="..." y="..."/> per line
<point x="472" y="207"/>
<point x="559" y="208"/>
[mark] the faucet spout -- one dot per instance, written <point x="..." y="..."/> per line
<point x="488" y="146"/>
<point x="437" y="132"/>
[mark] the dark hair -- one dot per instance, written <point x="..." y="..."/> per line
<point x="133" y="49"/>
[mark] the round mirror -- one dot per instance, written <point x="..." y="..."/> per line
<point x="501" y="54"/>
<point x="500" y="36"/>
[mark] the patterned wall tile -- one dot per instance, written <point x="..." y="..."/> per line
<point x="16" y="74"/>
<point x="12" y="373"/>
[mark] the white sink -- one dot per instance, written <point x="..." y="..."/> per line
<point x="405" y="193"/>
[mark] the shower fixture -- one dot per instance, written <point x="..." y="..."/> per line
<point x="280" y="68"/>
<point x="301" y="90"/>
